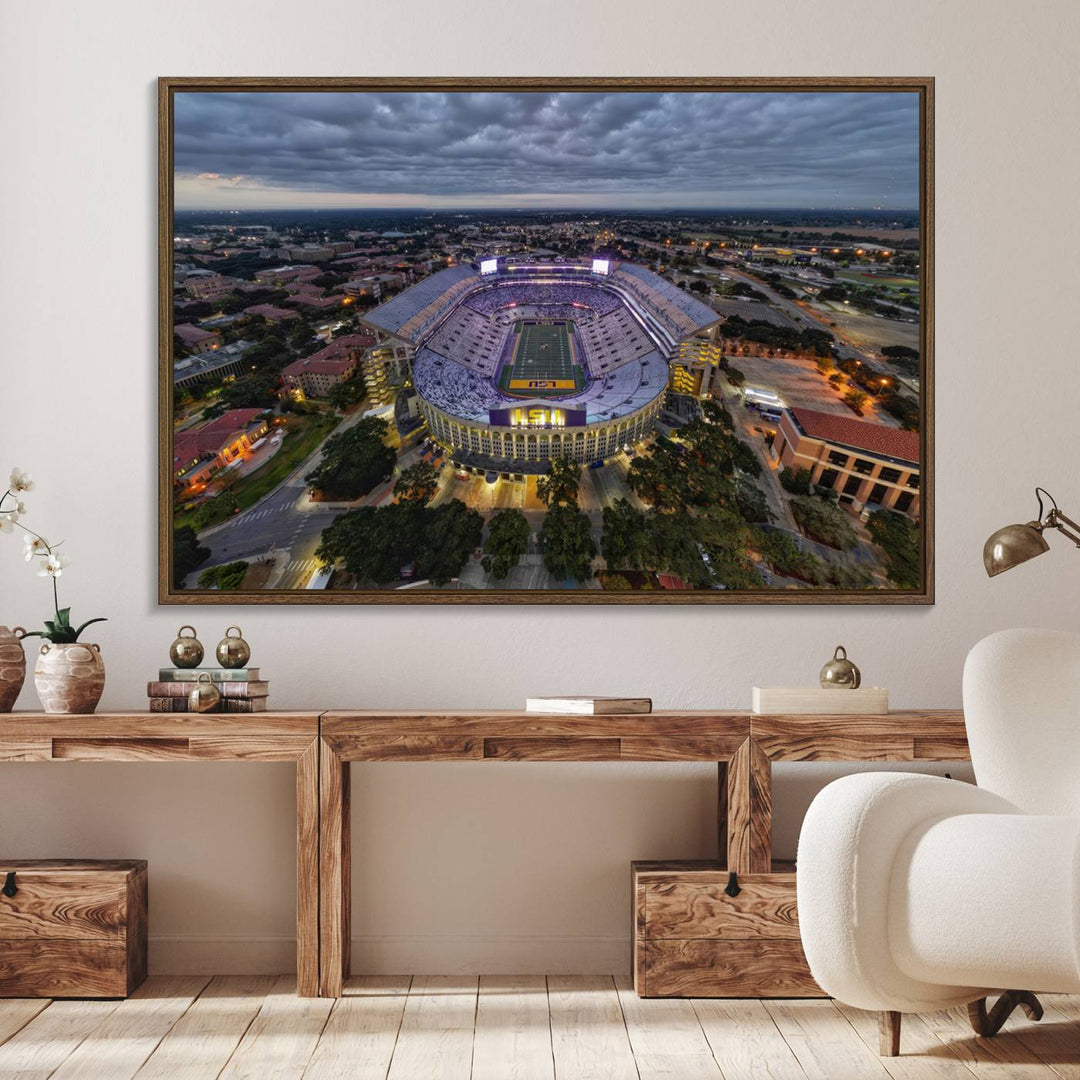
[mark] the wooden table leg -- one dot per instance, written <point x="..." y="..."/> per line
<point x="722" y="813"/>
<point x="334" y="872"/>
<point x="307" y="872"/>
<point x="749" y="810"/>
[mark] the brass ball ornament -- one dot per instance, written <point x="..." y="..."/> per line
<point x="840" y="673"/>
<point x="233" y="652"/>
<point x="204" y="696"/>
<point x="186" y="651"/>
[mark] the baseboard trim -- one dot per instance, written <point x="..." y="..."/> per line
<point x="393" y="954"/>
<point x="221" y="956"/>
<point x="446" y="954"/>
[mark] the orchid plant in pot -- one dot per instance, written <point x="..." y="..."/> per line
<point x="69" y="674"/>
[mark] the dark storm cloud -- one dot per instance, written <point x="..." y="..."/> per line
<point x="734" y="149"/>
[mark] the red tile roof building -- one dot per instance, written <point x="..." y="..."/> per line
<point x="319" y="303"/>
<point x="865" y="464"/>
<point x="270" y="313"/>
<point x="199" y="453"/>
<point x="209" y="286"/>
<point x="196" y="340"/>
<point x="315" y="375"/>
<point x="282" y="275"/>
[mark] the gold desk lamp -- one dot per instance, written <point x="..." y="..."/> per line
<point x="1014" y="544"/>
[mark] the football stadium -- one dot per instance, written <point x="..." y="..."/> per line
<point x="517" y="361"/>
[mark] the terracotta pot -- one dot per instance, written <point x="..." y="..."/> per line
<point x="12" y="666"/>
<point x="69" y="678"/>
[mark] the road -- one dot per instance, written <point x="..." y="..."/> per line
<point x="285" y="524"/>
<point x="803" y="315"/>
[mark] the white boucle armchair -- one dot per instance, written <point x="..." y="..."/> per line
<point x="918" y="893"/>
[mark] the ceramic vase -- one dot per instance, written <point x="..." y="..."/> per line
<point x="69" y="678"/>
<point x="12" y="666"/>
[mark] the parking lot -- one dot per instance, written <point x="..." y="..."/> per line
<point x="798" y="383"/>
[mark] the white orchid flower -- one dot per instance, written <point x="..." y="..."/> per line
<point x="7" y="521"/>
<point x="53" y="566"/>
<point x="20" y="481"/>
<point x="34" y="545"/>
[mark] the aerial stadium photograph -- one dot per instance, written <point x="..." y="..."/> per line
<point x="515" y="343"/>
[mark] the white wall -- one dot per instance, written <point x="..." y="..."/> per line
<point x="494" y="867"/>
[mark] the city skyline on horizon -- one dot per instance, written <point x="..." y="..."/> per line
<point x="547" y="151"/>
<point x="660" y="211"/>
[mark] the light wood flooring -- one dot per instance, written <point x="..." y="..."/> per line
<point x="247" y="1027"/>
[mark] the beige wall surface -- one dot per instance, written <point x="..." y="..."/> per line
<point x="511" y="867"/>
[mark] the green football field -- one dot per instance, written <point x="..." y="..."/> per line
<point x="543" y="360"/>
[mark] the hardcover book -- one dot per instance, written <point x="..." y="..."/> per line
<point x="258" y="689"/>
<point x="229" y="705"/>
<point x="191" y="674"/>
<point x="588" y="706"/>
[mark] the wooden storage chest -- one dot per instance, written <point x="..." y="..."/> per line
<point x="693" y="939"/>
<point x="71" y="928"/>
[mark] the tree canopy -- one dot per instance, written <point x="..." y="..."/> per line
<point x="375" y="544"/>
<point x="354" y="461"/>
<point x="417" y="483"/>
<point x="898" y="536"/>
<point x="701" y="496"/>
<point x="566" y="539"/>
<point x="824" y="521"/>
<point x="188" y="553"/>
<point x="560" y="486"/>
<point x="507" y="541"/>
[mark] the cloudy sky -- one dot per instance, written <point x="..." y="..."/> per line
<point x="571" y="150"/>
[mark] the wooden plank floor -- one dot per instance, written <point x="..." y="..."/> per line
<point x="524" y="1027"/>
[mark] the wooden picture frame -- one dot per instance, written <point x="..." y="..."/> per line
<point x="922" y="480"/>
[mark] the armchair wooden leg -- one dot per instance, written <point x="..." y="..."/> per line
<point x="889" y="1033"/>
<point x="988" y="1024"/>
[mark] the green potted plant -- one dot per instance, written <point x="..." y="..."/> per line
<point x="69" y="674"/>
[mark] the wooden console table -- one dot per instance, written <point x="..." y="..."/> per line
<point x="903" y="735"/>
<point x="260" y="737"/>
<point x="323" y="745"/>
<point x="743" y="745"/>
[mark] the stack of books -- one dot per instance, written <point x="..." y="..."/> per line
<point x="241" y="689"/>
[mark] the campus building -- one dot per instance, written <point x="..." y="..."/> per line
<point x="206" y="285"/>
<point x="374" y="285"/>
<point x="198" y="455"/>
<point x="318" y="374"/>
<point x="865" y="464"/>
<point x="224" y="363"/>
<point x="271" y="313"/>
<point x="282" y="275"/>
<point x="195" y="340"/>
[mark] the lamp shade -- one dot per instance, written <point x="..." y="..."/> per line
<point x="1012" y="545"/>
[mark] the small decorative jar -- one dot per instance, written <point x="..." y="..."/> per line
<point x="186" y="651"/>
<point x="233" y="652"/>
<point x="69" y="678"/>
<point x="12" y="666"/>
